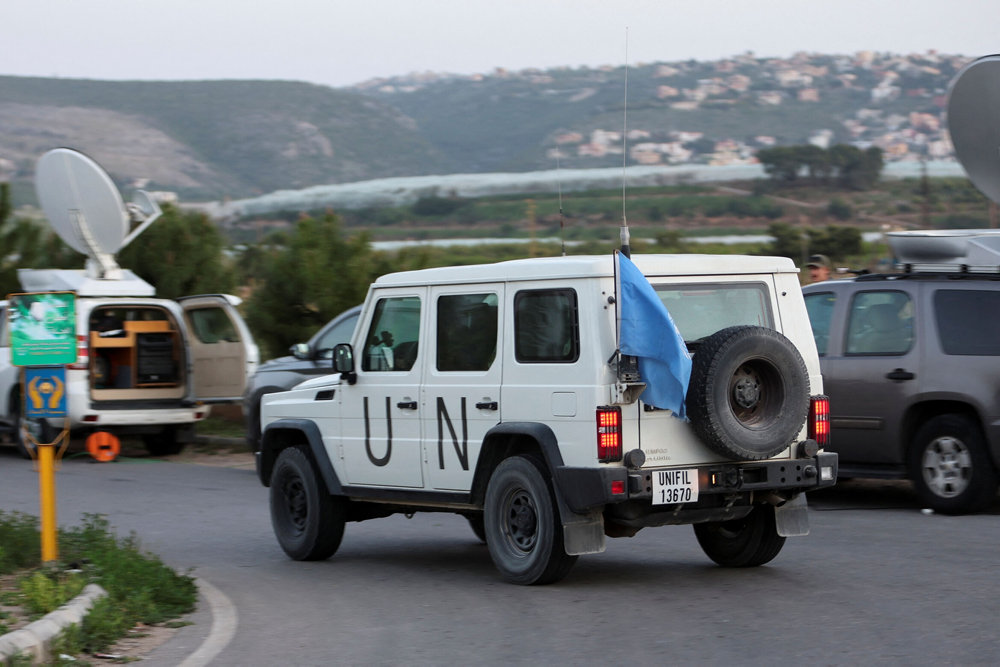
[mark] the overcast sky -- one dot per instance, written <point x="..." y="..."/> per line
<point x="336" y="42"/>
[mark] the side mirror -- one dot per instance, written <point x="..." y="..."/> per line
<point x="343" y="362"/>
<point x="300" y="350"/>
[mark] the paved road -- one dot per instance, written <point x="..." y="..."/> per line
<point x="877" y="581"/>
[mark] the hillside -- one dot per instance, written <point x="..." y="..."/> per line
<point x="209" y="139"/>
<point x="232" y="139"/>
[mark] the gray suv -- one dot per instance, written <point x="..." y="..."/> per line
<point x="911" y="363"/>
<point x="307" y="360"/>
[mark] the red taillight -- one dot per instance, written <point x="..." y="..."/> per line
<point x="819" y="420"/>
<point x="609" y="434"/>
<point x="82" y="355"/>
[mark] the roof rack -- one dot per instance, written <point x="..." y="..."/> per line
<point x="946" y="251"/>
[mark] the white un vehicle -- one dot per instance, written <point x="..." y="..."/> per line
<point x="499" y="392"/>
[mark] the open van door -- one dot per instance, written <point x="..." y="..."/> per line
<point x="223" y="353"/>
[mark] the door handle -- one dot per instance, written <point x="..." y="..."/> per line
<point x="900" y="374"/>
<point x="407" y="405"/>
<point x="487" y="405"/>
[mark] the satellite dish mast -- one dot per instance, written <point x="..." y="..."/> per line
<point x="86" y="210"/>
<point x="974" y="122"/>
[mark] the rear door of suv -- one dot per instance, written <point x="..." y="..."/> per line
<point x="461" y="392"/>
<point x="870" y="356"/>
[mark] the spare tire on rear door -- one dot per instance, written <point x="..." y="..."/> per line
<point x="749" y="392"/>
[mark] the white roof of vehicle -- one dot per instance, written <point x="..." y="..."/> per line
<point x="591" y="266"/>
<point x="77" y="280"/>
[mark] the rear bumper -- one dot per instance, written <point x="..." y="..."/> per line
<point x="585" y="489"/>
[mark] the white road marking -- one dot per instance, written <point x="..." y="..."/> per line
<point x="224" y="622"/>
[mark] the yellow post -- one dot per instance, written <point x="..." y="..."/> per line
<point x="47" y="489"/>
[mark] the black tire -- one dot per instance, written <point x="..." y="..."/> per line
<point x="747" y="542"/>
<point x="749" y="392"/>
<point x="522" y="526"/>
<point x="307" y="520"/>
<point x="950" y="465"/>
<point x="164" y="443"/>
<point x="478" y="525"/>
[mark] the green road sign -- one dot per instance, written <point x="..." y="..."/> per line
<point x="42" y="328"/>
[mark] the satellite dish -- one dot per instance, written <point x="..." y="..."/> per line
<point x="81" y="202"/>
<point x="974" y="122"/>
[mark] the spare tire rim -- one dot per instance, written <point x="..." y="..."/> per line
<point x="947" y="466"/>
<point x="754" y="389"/>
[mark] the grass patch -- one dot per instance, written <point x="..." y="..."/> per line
<point x="141" y="589"/>
<point x="221" y="427"/>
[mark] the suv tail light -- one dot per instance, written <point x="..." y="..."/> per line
<point x="819" y="420"/>
<point x="609" y="434"/>
<point x="82" y="355"/>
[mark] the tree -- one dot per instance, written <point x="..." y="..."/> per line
<point x="180" y="254"/>
<point x="26" y="244"/>
<point x="306" y="282"/>
<point x="781" y="163"/>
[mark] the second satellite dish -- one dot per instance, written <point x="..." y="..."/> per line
<point x="81" y="201"/>
<point x="974" y="122"/>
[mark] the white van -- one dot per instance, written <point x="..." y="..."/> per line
<point x="145" y="366"/>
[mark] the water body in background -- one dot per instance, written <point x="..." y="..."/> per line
<point x="724" y="240"/>
<point x="407" y="190"/>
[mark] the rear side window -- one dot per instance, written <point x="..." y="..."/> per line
<point x="820" y="309"/>
<point x="466" y="332"/>
<point x="880" y="322"/>
<point x="546" y="326"/>
<point x="968" y="321"/>
<point x="212" y="325"/>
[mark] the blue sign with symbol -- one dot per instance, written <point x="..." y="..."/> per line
<point x="44" y="391"/>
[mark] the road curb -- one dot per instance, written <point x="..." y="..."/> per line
<point x="35" y="639"/>
<point x="219" y="441"/>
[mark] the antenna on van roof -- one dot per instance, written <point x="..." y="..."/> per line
<point x="86" y="210"/>
<point x="562" y="224"/>
<point x="625" y="247"/>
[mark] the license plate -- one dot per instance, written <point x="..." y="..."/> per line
<point x="675" y="486"/>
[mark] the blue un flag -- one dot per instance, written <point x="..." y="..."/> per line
<point x="649" y="333"/>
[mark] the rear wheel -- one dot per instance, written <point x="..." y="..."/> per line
<point x="747" y="542"/>
<point x="164" y="443"/>
<point x="307" y="520"/>
<point x="522" y="526"/>
<point x="950" y="466"/>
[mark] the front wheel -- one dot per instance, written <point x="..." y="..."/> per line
<point x="307" y="520"/>
<point x="747" y="542"/>
<point x="950" y="466"/>
<point x="521" y="520"/>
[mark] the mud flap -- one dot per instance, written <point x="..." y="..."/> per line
<point x="584" y="534"/>
<point x="791" y="518"/>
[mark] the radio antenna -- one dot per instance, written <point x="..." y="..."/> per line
<point x="625" y="249"/>
<point x="562" y="234"/>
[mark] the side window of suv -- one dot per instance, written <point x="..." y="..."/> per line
<point x="880" y="322"/>
<point x="820" y="309"/>
<point x="967" y="321"/>
<point x="546" y="327"/>
<point x="393" y="336"/>
<point x="466" y="332"/>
